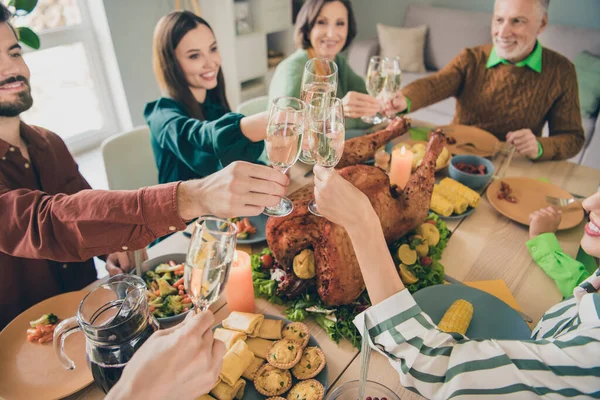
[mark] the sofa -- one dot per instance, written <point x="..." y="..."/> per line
<point x="451" y="30"/>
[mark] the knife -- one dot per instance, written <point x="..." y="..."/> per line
<point x="450" y="279"/>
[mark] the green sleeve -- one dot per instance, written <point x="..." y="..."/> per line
<point x="287" y="79"/>
<point x="356" y="83"/>
<point x="187" y="137"/>
<point x="566" y="272"/>
<point x="540" y="150"/>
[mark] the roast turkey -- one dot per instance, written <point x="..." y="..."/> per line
<point x="338" y="278"/>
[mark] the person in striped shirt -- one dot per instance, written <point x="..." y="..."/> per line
<point x="562" y="359"/>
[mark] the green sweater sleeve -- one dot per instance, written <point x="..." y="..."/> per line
<point x="566" y="272"/>
<point x="188" y="138"/>
<point x="287" y="79"/>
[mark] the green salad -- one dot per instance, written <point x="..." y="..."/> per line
<point x="338" y="321"/>
<point x="165" y="290"/>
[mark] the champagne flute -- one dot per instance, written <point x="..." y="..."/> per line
<point x="391" y="66"/>
<point x="209" y="260"/>
<point x="319" y="80"/>
<point x="376" y="81"/>
<point x="283" y="143"/>
<point x="326" y="133"/>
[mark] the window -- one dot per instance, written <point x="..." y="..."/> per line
<point x="68" y="80"/>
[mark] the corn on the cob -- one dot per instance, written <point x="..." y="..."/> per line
<point x="472" y="196"/>
<point x="440" y="205"/>
<point x="459" y="203"/>
<point x="457" y="318"/>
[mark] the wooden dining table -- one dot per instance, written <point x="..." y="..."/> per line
<point x="484" y="246"/>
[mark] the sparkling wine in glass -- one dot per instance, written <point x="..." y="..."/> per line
<point x="393" y="82"/>
<point x="208" y="260"/>
<point x="326" y="135"/>
<point x="319" y="80"/>
<point x="376" y="82"/>
<point x="284" y="142"/>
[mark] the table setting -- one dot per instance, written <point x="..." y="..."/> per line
<point x="275" y="322"/>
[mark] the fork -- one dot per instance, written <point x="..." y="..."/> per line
<point x="560" y="202"/>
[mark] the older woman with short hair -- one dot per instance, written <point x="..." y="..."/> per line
<point x="323" y="29"/>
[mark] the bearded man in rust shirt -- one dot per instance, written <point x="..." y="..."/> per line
<point x="52" y="222"/>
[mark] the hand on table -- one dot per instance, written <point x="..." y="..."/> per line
<point x="182" y="362"/>
<point x="359" y="105"/>
<point x="525" y="142"/>
<point x="241" y="188"/>
<point x="122" y="262"/>
<point x="338" y="200"/>
<point x="545" y="220"/>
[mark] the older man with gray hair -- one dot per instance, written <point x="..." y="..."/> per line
<point x="511" y="87"/>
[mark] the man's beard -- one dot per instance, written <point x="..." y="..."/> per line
<point x="23" y="103"/>
<point x="519" y="53"/>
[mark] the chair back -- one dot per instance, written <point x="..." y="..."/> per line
<point x="129" y="160"/>
<point x="253" y="106"/>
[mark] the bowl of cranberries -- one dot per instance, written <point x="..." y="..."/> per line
<point x="373" y="391"/>
<point x="472" y="171"/>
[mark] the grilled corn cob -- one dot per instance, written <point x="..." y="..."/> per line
<point x="440" y="205"/>
<point x="459" y="203"/>
<point x="472" y="196"/>
<point x="457" y="318"/>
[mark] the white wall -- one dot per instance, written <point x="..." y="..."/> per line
<point x="581" y="13"/>
<point x="132" y="23"/>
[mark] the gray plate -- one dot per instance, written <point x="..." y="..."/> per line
<point x="150" y="265"/>
<point x="457" y="216"/>
<point x="260" y="223"/>
<point x="250" y="392"/>
<point x="492" y="318"/>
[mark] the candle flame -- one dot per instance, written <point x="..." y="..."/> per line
<point x="403" y="150"/>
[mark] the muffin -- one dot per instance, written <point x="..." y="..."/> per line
<point x="272" y="381"/>
<point x="298" y="332"/>
<point x="311" y="363"/>
<point x="284" y="354"/>
<point x="307" y="390"/>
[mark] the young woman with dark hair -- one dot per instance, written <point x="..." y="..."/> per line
<point x="323" y="29"/>
<point x="193" y="131"/>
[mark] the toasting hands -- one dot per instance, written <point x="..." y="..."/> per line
<point x="241" y="188"/>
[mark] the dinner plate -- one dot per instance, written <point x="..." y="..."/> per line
<point x="31" y="370"/>
<point x="492" y="318"/>
<point x="483" y="141"/>
<point x="531" y="196"/>
<point x="260" y="223"/>
<point x="250" y="392"/>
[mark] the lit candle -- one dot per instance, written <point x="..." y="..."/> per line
<point x="401" y="167"/>
<point x="239" y="289"/>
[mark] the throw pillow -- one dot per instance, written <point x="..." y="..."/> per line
<point x="588" y="79"/>
<point x="406" y="43"/>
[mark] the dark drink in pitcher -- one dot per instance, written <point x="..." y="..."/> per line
<point x="107" y="375"/>
<point x="116" y="321"/>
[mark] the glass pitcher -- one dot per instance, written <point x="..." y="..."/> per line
<point x="116" y="321"/>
